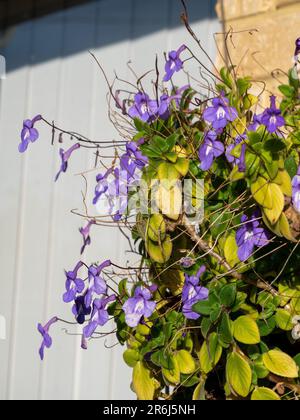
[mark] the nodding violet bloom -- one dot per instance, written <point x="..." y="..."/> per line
<point x="174" y="63"/>
<point x="255" y="123"/>
<point x="74" y="284"/>
<point x="143" y="107"/>
<point x="296" y="191"/>
<point x="210" y="149"/>
<point x="297" y="49"/>
<point x="65" y="156"/>
<point x="133" y="159"/>
<point x="187" y="262"/>
<point x="192" y="293"/>
<point x="80" y="310"/>
<point x="249" y="235"/>
<point x="96" y="283"/>
<point x="99" y="315"/>
<point x="220" y="113"/>
<point x="240" y="161"/>
<point x="85" y="232"/>
<point x="29" y="133"/>
<point x="102" y="185"/>
<point x="271" y="118"/>
<point x="47" y="340"/>
<point x="138" y="306"/>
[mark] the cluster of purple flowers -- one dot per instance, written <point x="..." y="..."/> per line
<point x="115" y="183"/>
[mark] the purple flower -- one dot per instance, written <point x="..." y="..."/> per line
<point x="272" y="117"/>
<point x="174" y="63"/>
<point x="234" y="160"/>
<point x="47" y="340"/>
<point x="96" y="283"/>
<point x="102" y="185"/>
<point x="138" y="306"/>
<point x="133" y="159"/>
<point x="220" y="113"/>
<point x="80" y="310"/>
<point x="74" y="284"/>
<point x="255" y="123"/>
<point x="209" y="150"/>
<point x="296" y="191"/>
<point x="297" y="49"/>
<point x="192" y="293"/>
<point x="99" y="315"/>
<point x="249" y="235"/>
<point x="143" y="108"/>
<point x="65" y="156"/>
<point x="29" y="133"/>
<point x="85" y="232"/>
<point x="187" y="262"/>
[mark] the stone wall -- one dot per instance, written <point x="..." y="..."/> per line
<point x="263" y="40"/>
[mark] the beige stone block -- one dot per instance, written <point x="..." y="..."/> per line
<point x="235" y="9"/>
<point x="263" y="46"/>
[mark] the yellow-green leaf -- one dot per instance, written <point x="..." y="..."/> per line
<point x="264" y="394"/>
<point x="185" y="362"/>
<point x="278" y="204"/>
<point x="210" y="353"/>
<point x="131" y="357"/>
<point x="284" y="181"/>
<point x="182" y="166"/>
<point x="167" y="171"/>
<point x="261" y="192"/>
<point x="143" y="383"/>
<point x="172" y="376"/>
<point x="231" y="250"/>
<point x="169" y="201"/>
<point x="156" y="228"/>
<point x="238" y="374"/>
<point x="199" y="392"/>
<point x="284" y="228"/>
<point x="280" y="363"/>
<point x="284" y="320"/>
<point x="160" y="253"/>
<point x="245" y="330"/>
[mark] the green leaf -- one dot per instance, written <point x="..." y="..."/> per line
<point x="238" y="374"/>
<point x="245" y="330"/>
<point x="225" y="329"/>
<point x="274" y="213"/>
<point x="243" y="85"/>
<point x="210" y="353"/>
<point x="203" y="307"/>
<point x="228" y="295"/>
<point x="162" y="359"/>
<point x="287" y="90"/>
<point x="280" y="363"/>
<point x="185" y="362"/>
<point x="263" y="394"/>
<point x="131" y="357"/>
<point x="266" y="326"/>
<point x="143" y="383"/>
<point x="284" y="320"/>
<point x="226" y="77"/>
<point x="291" y="166"/>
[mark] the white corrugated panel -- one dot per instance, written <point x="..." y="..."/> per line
<point x="50" y="72"/>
